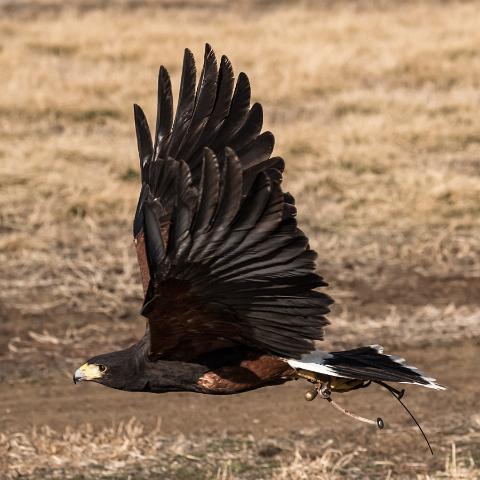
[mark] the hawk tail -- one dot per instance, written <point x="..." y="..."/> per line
<point x="366" y="364"/>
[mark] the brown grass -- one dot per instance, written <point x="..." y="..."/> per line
<point x="126" y="450"/>
<point x="380" y="132"/>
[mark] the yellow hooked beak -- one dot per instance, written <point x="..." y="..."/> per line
<point x="87" y="372"/>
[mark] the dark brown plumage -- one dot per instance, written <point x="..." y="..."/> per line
<point x="231" y="292"/>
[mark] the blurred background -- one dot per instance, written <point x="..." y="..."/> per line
<point x="375" y="107"/>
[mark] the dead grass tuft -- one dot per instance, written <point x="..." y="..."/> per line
<point x="331" y="465"/>
<point x="456" y="468"/>
<point x="132" y="449"/>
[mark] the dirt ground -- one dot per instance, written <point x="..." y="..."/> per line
<point x="374" y="105"/>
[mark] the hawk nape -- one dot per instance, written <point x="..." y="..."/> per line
<point x="231" y="292"/>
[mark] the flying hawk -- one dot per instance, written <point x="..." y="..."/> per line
<point x="232" y="297"/>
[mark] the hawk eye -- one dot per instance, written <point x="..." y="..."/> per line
<point x="102" y="368"/>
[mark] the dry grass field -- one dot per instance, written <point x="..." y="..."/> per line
<point x="375" y="106"/>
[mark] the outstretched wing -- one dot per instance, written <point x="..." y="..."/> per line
<point x="221" y="256"/>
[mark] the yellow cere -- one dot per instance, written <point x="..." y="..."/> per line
<point x="90" y="371"/>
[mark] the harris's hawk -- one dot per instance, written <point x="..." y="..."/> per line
<point x="232" y="297"/>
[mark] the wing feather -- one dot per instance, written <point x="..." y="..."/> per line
<point x="239" y="108"/>
<point x="164" y="112"/>
<point x="144" y="140"/>
<point x="186" y="102"/>
<point x="209" y="191"/>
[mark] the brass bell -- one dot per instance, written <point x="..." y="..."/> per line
<point x="311" y="394"/>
